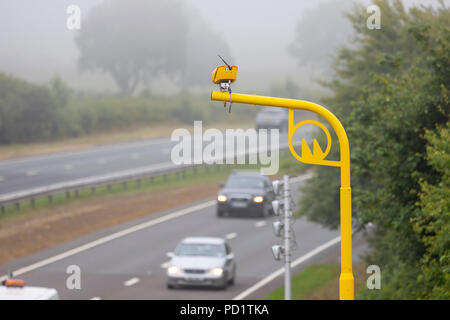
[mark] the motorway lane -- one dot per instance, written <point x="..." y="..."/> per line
<point x="30" y="172"/>
<point x="108" y="268"/>
<point x="26" y="173"/>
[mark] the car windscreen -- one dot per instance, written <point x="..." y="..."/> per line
<point x="200" y="249"/>
<point x="243" y="182"/>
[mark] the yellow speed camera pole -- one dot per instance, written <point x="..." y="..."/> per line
<point x="316" y="156"/>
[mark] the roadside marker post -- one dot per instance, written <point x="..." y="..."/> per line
<point x="287" y="239"/>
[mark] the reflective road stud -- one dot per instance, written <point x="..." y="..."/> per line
<point x="316" y="156"/>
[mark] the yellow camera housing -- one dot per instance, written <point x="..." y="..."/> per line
<point x="224" y="74"/>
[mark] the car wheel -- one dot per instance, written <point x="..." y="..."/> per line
<point x="223" y="285"/>
<point x="220" y="213"/>
<point x="170" y="286"/>
<point x="231" y="281"/>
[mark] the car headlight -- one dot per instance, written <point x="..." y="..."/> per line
<point x="216" y="271"/>
<point x="258" y="199"/>
<point x="221" y="198"/>
<point x="173" y="270"/>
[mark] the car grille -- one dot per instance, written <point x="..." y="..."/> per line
<point x="240" y="198"/>
<point x="194" y="271"/>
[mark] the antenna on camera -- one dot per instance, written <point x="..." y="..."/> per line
<point x="229" y="67"/>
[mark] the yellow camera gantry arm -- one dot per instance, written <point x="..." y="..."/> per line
<point x="224" y="74"/>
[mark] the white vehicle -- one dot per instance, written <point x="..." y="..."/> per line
<point x="13" y="289"/>
<point x="201" y="261"/>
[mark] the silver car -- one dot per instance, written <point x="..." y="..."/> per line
<point x="201" y="261"/>
<point x="272" y="118"/>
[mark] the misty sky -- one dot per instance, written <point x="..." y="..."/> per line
<point x="35" y="44"/>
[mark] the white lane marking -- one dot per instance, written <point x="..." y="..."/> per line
<point x="260" y="224"/>
<point x="135" y="156"/>
<point x="165" y="265"/>
<point x="31" y="173"/>
<point x="131" y="282"/>
<point x="231" y="235"/>
<point x="95" y="298"/>
<point x="280" y="271"/>
<point x="68" y="167"/>
<point x="111" y="237"/>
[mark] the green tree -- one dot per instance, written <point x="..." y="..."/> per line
<point x="134" y="41"/>
<point x="433" y="225"/>
<point x="287" y="89"/>
<point x="390" y="89"/>
<point x="61" y="91"/>
<point x="316" y="50"/>
<point x="28" y="112"/>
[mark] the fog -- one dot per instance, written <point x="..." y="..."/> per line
<point x="258" y="36"/>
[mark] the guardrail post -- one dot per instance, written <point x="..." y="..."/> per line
<point x="3" y="210"/>
<point x="50" y="198"/>
<point x="18" y="205"/>
<point x="76" y="193"/>
<point x="67" y="194"/>
<point x="32" y="203"/>
<point x="124" y="185"/>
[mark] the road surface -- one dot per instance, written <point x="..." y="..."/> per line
<point x="26" y="173"/>
<point x="130" y="263"/>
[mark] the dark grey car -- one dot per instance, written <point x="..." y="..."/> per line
<point x="246" y="193"/>
<point x="270" y="118"/>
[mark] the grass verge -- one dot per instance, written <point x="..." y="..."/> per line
<point x="306" y="282"/>
<point x="320" y="282"/>
<point x="159" y="183"/>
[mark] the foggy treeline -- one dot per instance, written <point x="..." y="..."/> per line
<point x="176" y="40"/>
<point x="139" y="62"/>
<point x="112" y="71"/>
